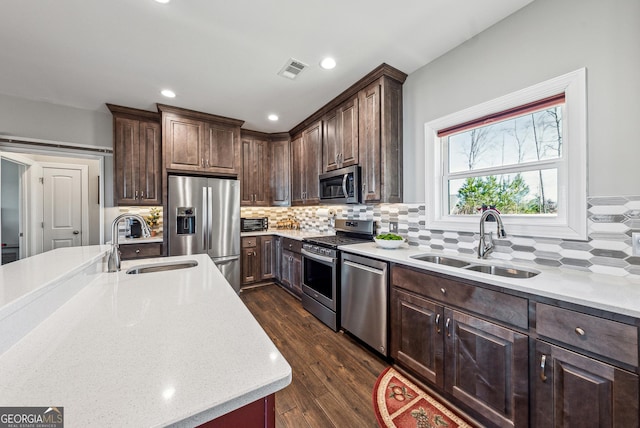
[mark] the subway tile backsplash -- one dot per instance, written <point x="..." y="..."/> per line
<point x="611" y="220"/>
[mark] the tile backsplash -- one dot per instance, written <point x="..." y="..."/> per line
<point x="611" y="220"/>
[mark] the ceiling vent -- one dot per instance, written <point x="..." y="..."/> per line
<point x="292" y="68"/>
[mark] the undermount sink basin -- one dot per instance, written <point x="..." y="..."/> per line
<point x="162" y="267"/>
<point x="441" y="260"/>
<point x="502" y="271"/>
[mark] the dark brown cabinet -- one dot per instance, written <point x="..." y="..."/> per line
<point x="291" y="266"/>
<point x="340" y="137"/>
<point x="482" y="364"/>
<point x="137" y="156"/>
<point x="280" y="182"/>
<point x="257" y="259"/>
<point x="254" y="179"/>
<point x="380" y="141"/>
<point x="572" y="390"/>
<point x="140" y="251"/>
<point x="306" y="161"/>
<point x="200" y="142"/>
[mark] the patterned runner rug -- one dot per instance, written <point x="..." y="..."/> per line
<point x="399" y="403"/>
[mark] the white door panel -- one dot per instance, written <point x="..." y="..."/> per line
<point x="63" y="208"/>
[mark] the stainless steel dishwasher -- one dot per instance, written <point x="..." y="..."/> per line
<point x="364" y="300"/>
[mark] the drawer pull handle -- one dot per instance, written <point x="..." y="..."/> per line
<point x="138" y="251"/>
<point x="446" y="326"/>
<point x="443" y="291"/>
<point x="543" y="362"/>
<point x="438" y="324"/>
<point x="579" y="331"/>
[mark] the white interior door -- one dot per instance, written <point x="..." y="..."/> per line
<point x="64" y="206"/>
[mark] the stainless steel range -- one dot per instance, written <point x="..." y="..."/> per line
<point x="321" y="268"/>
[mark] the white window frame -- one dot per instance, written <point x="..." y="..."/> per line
<point x="571" y="220"/>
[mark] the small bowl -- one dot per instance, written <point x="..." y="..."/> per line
<point x="389" y="244"/>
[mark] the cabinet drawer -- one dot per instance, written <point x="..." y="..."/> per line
<point x="292" y="245"/>
<point x="249" y="242"/>
<point x="488" y="303"/>
<point x="605" y="337"/>
<point x="139" y="251"/>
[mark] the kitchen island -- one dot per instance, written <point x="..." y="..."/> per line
<point x="165" y="348"/>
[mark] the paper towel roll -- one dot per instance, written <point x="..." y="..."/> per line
<point x="325" y="212"/>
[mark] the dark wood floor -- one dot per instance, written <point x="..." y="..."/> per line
<point x="333" y="376"/>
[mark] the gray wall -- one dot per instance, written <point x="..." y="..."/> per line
<point x="545" y="39"/>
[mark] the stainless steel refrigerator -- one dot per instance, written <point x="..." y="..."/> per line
<point x="204" y="217"/>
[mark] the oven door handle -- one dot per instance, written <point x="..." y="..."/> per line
<point x="318" y="257"/>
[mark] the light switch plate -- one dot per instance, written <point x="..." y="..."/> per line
<point x="393" y="226"/>
<point x="635" y="243"/>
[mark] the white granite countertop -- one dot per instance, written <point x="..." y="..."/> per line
<point x="287" y="233"/>
<point x="155" y="349"/>
<point x="619" y="295"/>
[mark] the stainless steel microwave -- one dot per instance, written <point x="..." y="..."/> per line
<point x="341" y="186"/>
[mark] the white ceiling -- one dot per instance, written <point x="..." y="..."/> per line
<point x="222" y="57"/>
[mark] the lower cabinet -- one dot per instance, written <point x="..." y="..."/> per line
<point x="257" y="259"/>
<point x="481" y="363"/>
<point x="259" y="414"/>
<point x="140" y="251"/>
<point x="290" y="257"/>
<point x="572" y="390"/>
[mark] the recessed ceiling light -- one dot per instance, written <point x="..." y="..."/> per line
<point x="328" y="63"/>
<point x="168" y="93"/>
<point x="163" y="1"/>
<point x="273" y="117"/>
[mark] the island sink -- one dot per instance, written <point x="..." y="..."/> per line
<point x="162" y="267"/>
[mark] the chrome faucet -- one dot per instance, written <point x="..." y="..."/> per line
<point x="485" y="246"/>
<point x="113" y="264"/>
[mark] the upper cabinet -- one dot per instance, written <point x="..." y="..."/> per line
<point x="362" y="126"/>
<point x="254" y="179"/>
<point x="306" y="159"/>
<point x="200" y="142"/>
<point x="137" y="156"/>
<point x="340" y="136"/>
<point x="280" y="183"/>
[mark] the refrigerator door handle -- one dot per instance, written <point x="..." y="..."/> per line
<point x="210" y="219"/>
<point x="205" y="224"/>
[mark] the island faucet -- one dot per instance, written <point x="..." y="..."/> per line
<point x="485" y="246"/>
<point x="113" y="264"/>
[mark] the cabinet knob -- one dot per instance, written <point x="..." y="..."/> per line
<point x="579" y="331"/>
<point x="138" y="251"/>
<point x="443" y="291"/>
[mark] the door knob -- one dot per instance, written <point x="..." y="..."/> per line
<point x="76" y="232"/>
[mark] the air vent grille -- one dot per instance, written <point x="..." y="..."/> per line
<point x="292" y="68"/>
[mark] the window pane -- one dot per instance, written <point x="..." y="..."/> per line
<point x="531" y="137"/>
<point x="520" y="193"/>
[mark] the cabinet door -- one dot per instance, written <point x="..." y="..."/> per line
<point x="348" y="133"/>
<point x="312" y="138"/>
<point x="370" y="140"/>
<point x="297" y="171"/>
<point x="221" y="149"/>
<point x="280" y="189"/>
<point x="277" y="258"/>
<point x="246" y="181"/>
<point x="296" y="274"/>
<point x="250" y="265"/>
<point x="126" y="160"/>
<point x="150" y="170"/>
<point x="184" y="146"/>
<point x="285" y="268"/>
<point x="330" y="144"/>
<point x="266" y="257"/>
<point x="572" y="390"/>
<point x="260" y="179"/>
<point x="486" y="367"/>
<point x="416" y="335"/>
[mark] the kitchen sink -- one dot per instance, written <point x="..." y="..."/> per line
<point x="440" y="260"/>
<point x="502" y="271"/>
<point x="162" y="267"/>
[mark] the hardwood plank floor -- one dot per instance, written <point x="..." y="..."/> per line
<point x="333" y="375"/>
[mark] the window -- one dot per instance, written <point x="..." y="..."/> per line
<point x="524" y="153"/>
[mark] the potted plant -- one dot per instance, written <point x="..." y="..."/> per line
<point x="153" y="220"/>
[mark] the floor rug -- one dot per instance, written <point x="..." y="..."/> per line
<point x="398" y="403"/>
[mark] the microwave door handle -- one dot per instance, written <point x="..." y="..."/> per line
<point x="344" y="185"/>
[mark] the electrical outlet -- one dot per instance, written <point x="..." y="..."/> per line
<point x="635" y="243"/>
<point x="393" y="226"/>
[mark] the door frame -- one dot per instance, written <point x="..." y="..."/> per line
<point x="84" y="192"/>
